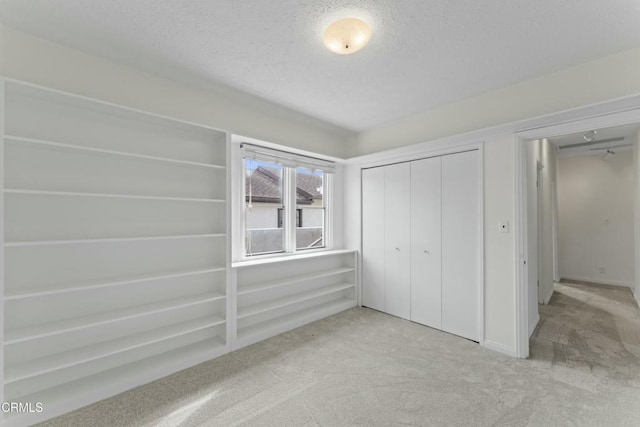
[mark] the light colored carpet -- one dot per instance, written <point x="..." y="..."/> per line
<point x="362" y="367"/>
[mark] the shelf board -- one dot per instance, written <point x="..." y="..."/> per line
<point x="67" y="359"/>
<point x="274" y="304"/>
<point x="294" y="320"/>
<point x="108" y="195"/>
<point x="18" y="335"/>
<point x="243" y="290"/>
<point x="106" y="106"/>
<point x="310" y="253"/>
<point x="80" y="392"/>
<point x="74" y="147"/>
<point x="42" y="291"/>
<point x="110" y="240"/>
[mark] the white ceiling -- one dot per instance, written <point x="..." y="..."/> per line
<point x="423" y="53"/>
<point x="622" y="136"/>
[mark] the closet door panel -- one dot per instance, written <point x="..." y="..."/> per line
<point x="426" y="242"/>
<point x="460" y="239"/>
<point x="373" y="253"/>
<point x="397" y="215"/>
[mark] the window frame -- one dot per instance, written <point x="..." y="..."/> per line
<point x="290" y="207"/>
<point x="280" y="218"/>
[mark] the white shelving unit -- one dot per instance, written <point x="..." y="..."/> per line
<point x="272" y="299"/>
<point x="114" y="248"/>
<point x="114" y="254"/>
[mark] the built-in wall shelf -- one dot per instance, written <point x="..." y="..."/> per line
<point x="14" y="336"/>
<point x="111" y="240"/>
<point x="59" y="145"/>
<point x="272" y="299"/>
<point x="86" y="354"/>
<point x="259" y="287"/>
<point x="278" y="303"/>
<point x="278" y="259"/>
<point x="114" y="248"/>
<point x="89" y="389"/>
<point x="46" y="291"/>
<point x="260" y="331"/>
<point x="116" y="196"/>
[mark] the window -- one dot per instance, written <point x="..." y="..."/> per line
<point x="281" y="217"/>
<point x="285" y="203"/>
<point x="310" y="204"/>
<point x="264" y="204"/>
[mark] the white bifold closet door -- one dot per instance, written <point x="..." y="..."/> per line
<point x="460" y="242"/>
<point x="397" y="231"/>
<point x="421" y="234"/>
<point x="373" y="264"/>
<point x="426" y="255"/>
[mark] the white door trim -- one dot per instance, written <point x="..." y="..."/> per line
<point x="481" y="258"/>
<point x="521" y="274"/>
<point x="606" y="115"/>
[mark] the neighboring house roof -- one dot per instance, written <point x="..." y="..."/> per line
<point x="309" y="184"/>
<point x="263" y="184"/>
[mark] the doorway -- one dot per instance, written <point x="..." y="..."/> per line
<point x="532" y="254"/>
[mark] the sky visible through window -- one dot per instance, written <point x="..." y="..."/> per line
<point x="251" y="164"/>
<point x="254" y="164"/>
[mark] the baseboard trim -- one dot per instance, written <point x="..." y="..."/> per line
<point x="532" y="327"/>
<point x="599" y="281"/>
<point x="500" y="348"/>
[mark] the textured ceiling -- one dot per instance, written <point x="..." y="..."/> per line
<point x="423" y="53"/>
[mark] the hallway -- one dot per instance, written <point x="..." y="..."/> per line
<point x="590" y="328"/>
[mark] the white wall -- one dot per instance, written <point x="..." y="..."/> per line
<point x="499" y="248"/>
<point x="596" y="81"/>
<point x="596" y="218"/>
<point x="32" y="59"/>
<point x="602" y="80"/>
<point x="42" y="62"/>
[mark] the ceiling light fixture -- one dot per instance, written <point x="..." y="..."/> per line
<point x="347" y="36"/>
<point x="590" y="136"/>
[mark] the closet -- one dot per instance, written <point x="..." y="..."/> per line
<point x="421" y="228"/>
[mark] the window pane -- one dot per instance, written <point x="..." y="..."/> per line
<point x="264" y="212"/>
<point x="310" y="209"/>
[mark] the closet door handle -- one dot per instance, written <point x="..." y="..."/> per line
<point x="397" y="249"/>
<point x="426" y="252"/>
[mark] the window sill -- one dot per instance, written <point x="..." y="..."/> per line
<point x="288" y="257"/>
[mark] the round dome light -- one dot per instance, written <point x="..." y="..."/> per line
<point x="347" y="36"/>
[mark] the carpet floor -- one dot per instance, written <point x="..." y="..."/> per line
<point x="362" y="367"/>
